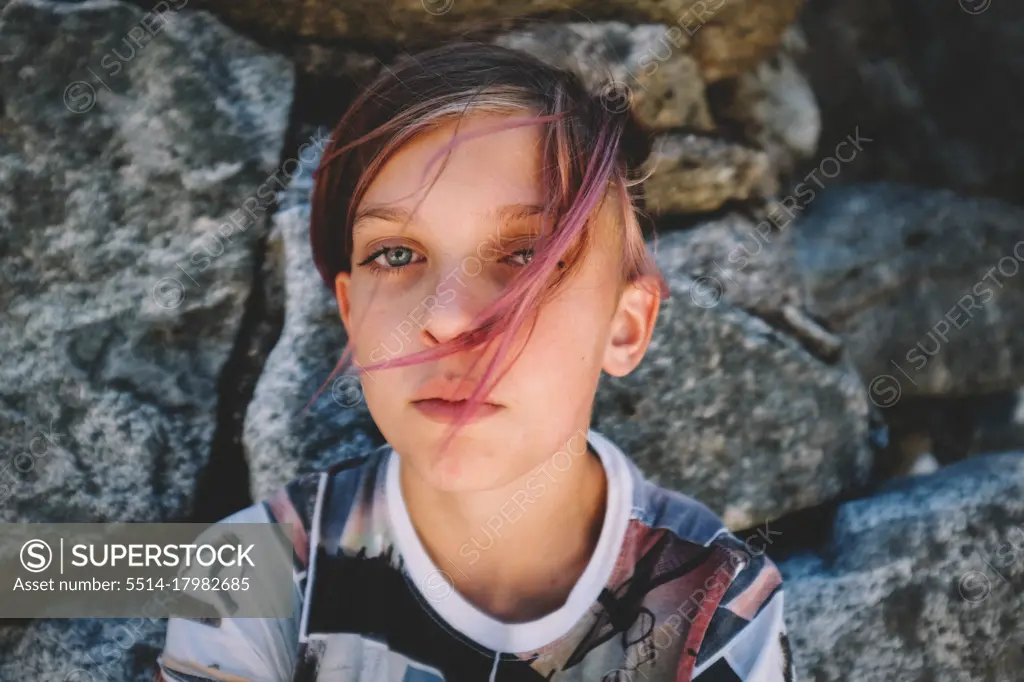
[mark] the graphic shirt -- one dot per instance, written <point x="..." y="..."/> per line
<point x="669" y="595"/>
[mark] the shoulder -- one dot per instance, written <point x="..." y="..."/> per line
<point x="686" y="517"/>
<point x="746" y="638"/>
<point x="746" y="580"/>
<point x="733" y="605"/>
<point x="324" y="495"/>
<point x="693" y="522"/>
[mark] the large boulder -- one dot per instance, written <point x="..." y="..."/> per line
<point x="920" y="581"/>
<point x="926" y="288"/>
<point x="731" y="411"/>
<point x="747" y="258"/>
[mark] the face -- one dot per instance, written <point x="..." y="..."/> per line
<point x="417" y="284"/>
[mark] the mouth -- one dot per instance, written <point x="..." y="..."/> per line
<point x="446" y="411"/>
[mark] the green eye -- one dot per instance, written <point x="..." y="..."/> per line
<point x="397" y="256"/>
<point x="524" y="256"/>
<point x="390" y="260"/>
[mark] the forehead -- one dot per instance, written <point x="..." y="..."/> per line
<point x="487" y="167"/>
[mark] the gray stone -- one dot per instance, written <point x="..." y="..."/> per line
<point x="736" y="414"/>
<point x="645" y="67"/>
<point x="924" y="287"/>
<point x="920" y="581"/>
<point x="81" y="650"/>
<point x="748" y="259"/>
<point x="695" y="173"/>
<point x="282" y="439"/>
<point x="749" y="263"/>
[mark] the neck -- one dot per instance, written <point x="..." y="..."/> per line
<point x="515" y="551"/>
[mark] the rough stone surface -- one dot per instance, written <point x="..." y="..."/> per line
<point x="113" y="253"/>
<point x="727" y="36"/>
<point x="921" y="581"/>
<point x="124" y="281"/>
<point x="749" y="263"/>
<point x="889" y="266"/>
<point x="694" y="173"/>
<point x="645" y="67"/>
<point x="281" y="438"/>
<point x="73" y="650"/>
<point x="727" y="409"/>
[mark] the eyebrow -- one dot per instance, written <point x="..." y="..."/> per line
<point x="396" y="214"/>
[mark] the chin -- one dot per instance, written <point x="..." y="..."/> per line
<point x="462" y="468"/>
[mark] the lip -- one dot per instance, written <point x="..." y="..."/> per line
<point x="448" y="388"/>
<point x="446" y="411"/>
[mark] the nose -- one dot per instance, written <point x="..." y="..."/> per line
<point x="460" y="298"/>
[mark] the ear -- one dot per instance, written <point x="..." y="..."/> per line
<point x="632" y="327"/>
<point x="341" y="289"/>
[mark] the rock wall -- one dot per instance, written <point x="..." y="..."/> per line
<point x="836" y="188"/>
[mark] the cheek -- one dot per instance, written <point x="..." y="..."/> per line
<point x="565" y="345"/>
<point x="381" y="328"/>
<point x="368" y="335"/>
